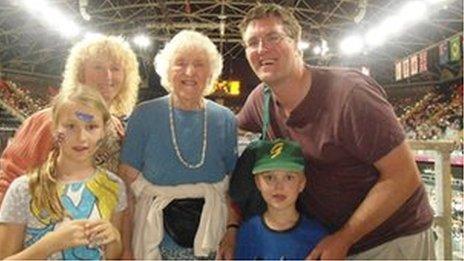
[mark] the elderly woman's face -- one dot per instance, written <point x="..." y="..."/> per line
<point x="189" y="73"/>
<point x="105" y="75"/>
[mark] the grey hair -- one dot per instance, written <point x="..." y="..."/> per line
<point x="188" y="39"/>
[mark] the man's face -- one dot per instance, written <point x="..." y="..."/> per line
<point x="271" y="53"/>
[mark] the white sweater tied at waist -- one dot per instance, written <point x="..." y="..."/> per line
<point x="148" y="217"/>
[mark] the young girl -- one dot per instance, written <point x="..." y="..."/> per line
<point x="67" y="208"/>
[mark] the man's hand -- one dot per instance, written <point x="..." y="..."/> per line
<point x="332" y="247"/>
<point x="227" y="245"/>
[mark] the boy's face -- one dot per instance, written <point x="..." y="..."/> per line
<point x="280" y="188"/>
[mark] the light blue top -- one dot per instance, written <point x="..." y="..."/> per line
<point x="148" y="145"/>
<point x="82" y="199"/>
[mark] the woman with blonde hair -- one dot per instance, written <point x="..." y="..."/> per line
<point x="105" y="63"/>
<point x="177" y="155"/>
<point x="68" y="208"/>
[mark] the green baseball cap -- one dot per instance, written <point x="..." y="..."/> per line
<point x="278" y="154"/>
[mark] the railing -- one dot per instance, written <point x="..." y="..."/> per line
<point x="5" y="134"/>
<point x="19" y="115"/>
<point x="443" y="192"/>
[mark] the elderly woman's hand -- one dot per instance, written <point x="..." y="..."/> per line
<point x="227" y="245"/>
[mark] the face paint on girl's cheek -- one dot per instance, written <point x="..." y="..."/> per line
<point x="84" y="116"/>
<point x="59" y="137"/>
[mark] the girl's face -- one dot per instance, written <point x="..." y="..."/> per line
<point x="80" y="128"/>
<point x="280" y="189"/>
<point x="106" y="75"/>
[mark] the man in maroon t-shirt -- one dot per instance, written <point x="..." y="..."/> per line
<point x="365" y="185"/>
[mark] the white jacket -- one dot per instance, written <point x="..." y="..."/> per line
<point x="148" y="218"/>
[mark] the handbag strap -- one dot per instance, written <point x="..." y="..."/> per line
<point x="266" y="101"/>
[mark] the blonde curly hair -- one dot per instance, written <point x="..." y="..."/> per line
<point x="114" y="48"/>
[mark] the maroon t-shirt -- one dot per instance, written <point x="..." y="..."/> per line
<point x="344" y="125"/>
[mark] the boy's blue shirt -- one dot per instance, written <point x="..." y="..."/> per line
<point x="256" y="240"/>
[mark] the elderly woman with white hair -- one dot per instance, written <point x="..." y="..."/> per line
<point x="177" y="154"/>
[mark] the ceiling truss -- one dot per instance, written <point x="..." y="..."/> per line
<point x="28" y="45"/>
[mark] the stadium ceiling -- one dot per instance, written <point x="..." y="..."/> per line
<point x="29" y="46"/>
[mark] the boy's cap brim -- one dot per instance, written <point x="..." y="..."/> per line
<point x="278" y="165"/>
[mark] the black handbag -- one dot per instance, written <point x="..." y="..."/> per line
<point x="181" y="220"/>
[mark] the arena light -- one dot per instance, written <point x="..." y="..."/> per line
<point x="142" y="41"/>
<point x="352" y="45"/>
<point x="91" y="35"/>
<point x="374" y="37"/>
<point x="365" y="71"/>
<point x="52" y="16"/>
<point x="303" y="45"/>
<point x="324" y="48"/>
<point x="391" y="25"/>
<point x="435" y="1"/>
<point x="321" y="49"/>
<point x="413" y="11"/>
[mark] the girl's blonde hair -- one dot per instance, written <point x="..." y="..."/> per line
<point x="45" y="191"/>
<point x="116" y="49"/>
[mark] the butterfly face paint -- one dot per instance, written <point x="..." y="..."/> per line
<point x="59" y="137"/>
<point x="84" y="116"/>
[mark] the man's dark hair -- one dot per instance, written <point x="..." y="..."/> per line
<point x="290" y="23"/>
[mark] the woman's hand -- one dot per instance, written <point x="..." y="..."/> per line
<point x="101" y="232"/>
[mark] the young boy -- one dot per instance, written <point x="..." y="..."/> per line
<point x="280" y="232"/>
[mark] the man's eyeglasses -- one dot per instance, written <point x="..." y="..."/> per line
<point x="270" y="39"/>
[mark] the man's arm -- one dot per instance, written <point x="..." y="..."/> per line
<point x="399" y="178"/>
<point x="128" y="174"/>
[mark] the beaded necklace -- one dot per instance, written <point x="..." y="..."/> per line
<point x="174" y="138"/>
